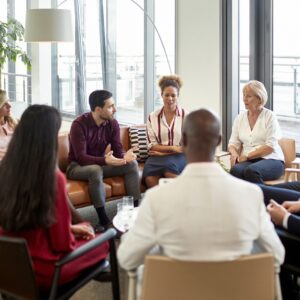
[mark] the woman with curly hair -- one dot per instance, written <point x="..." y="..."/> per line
<point x="164" y="129"/>
<point x="7" y="123"/>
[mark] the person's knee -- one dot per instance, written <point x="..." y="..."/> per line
<point x="132" y="166"/>
<point x="236" y="172"/>
<point x="151" y="181"/>
<point x="95" y="173"/>
<point x="251" y="174"/>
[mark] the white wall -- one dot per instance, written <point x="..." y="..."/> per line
<point x="199" y="53"/>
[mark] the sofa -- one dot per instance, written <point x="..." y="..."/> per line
<point x="114" y="186"/>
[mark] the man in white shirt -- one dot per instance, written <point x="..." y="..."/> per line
<point x="204" y="214"/>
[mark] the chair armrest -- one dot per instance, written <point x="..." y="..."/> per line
<point x="221" y="154"/>
<point x="218" y="159"/>
<point x="287" y="235"/>
<point x="92" y="244"/>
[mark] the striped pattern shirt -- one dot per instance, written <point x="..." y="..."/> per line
<point x="159" y="132"/>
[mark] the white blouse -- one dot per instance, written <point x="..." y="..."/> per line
<point x="159" y="132"/>
<point x="266" y="131"/>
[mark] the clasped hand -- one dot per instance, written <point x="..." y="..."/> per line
<point x="129" y="156"/>
<point x="278" y="211"/>
<point x="234" y="158"/>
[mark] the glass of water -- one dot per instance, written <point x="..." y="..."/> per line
<point x="127" y="202"/>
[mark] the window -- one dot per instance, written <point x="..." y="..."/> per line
<point x="269" y="52"/>
<point x="15" y="77"/>
<point x="244" y="47"/>
<point x="116" y="48"/>
<point x="130" y="61"/>
<point x="286" y="67"/>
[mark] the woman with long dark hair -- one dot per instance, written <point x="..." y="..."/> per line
<point x="33" y="198"/>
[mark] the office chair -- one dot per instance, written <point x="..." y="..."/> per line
<point x="17" y="275"/>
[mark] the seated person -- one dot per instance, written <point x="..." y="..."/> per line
<point x="164" y="128"/>
<point x="33" y="199"/>
<point x="281" y="192"/>
<point x="255" y="133"/>
<point x="90" y="135"/>
<point x="200" y="215"/>
<point x="7" y="123"/>
<point x="285" y="215"/>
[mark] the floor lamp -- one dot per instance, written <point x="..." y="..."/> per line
<point x="157" y="32"/>
<point x="48" y="25"/>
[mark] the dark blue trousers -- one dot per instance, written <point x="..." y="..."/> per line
<point x="281" y="192"/>
<point x="258" y="170"/>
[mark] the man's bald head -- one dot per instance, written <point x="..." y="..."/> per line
<point x="201" y="135"/>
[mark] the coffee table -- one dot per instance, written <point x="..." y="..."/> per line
<point x="119" y="223"/>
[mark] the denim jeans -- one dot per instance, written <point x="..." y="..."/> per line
<point x="258" y="170"/>
<point x="94" y="174"/>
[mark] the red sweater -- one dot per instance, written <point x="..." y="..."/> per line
<point x="47" y="245"/>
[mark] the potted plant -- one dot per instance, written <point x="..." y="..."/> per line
<point x="11" y="32"/>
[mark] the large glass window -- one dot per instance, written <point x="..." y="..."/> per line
<point x="130" y="61"/>
<point x="269" y="52"/>
<point x="14" y="75"/>
<point x="115" y="48"/>
<point x="244" y="47"/>
<point x="286" y="67"/>
<point x="66" y="61"/>
<point x="111" y="47"/>
<point x="164" y="61"/>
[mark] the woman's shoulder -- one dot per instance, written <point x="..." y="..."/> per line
<point x="269" y="115"/>
<point x="182" y="112"/>
<point x="268" y="112"/>
<point x="156" y="113"/>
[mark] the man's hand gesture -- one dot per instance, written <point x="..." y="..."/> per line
<point x="114" y="161"/>
<point x="129" y="156"/>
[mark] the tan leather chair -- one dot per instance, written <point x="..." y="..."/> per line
<point x="288" y="147"/>
<point x="249" y="277"/>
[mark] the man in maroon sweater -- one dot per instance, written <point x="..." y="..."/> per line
<point x="89" y="136"/>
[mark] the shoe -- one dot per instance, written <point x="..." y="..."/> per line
<point x="99" y="228"/>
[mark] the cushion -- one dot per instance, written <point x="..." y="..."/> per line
<point x="138" y="139"/>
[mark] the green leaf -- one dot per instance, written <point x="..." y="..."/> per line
<point x="11" y="32"/>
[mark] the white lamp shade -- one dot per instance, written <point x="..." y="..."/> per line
<point x="48" y="25"/>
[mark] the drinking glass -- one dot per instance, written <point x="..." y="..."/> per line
<point x="128" y="203"/>
<point x="119" y="207"/>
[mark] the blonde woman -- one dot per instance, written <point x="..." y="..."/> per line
<point x="164" y="131"/>
<point x="255" y="153"/>
<point x="7" y="123"/>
